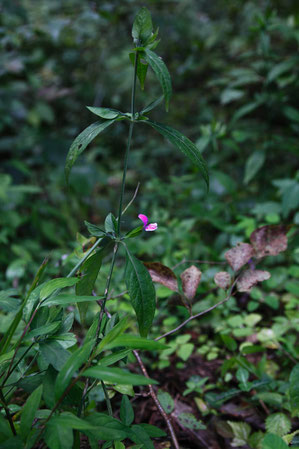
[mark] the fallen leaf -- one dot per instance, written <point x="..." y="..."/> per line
<point x="250" y="278"/>
<point x="239" y="255"/>
<point x="269" y="240"/>
<point x="222" y="279"/>
<point x="162" y="275"/>
<point x="190" y="281"/>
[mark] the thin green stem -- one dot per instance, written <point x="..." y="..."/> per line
<point x="128" y="145"/>
<point x="7" y="412"/>
<point x="107" y="399"/>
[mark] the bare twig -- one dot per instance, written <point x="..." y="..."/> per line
<point x="193" y="317"/>
<point x="133" y="199"/>
<point x="117" y="296"/>
<point x="197" y="261"/>
<point x="157" y="402"/>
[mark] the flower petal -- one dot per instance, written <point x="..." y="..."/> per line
<point x="151" y="227"/>
<point x="143" y="218"/>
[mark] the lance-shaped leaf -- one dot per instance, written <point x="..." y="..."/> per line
<point x="29" y="410"/>
<point x="183" y="144"/>
<point x="239" y="255"/>
<point x="118" y="376"/>
<point x="106" y="113"/>
<point x="269" y="240"/>
<point x="141" y="291"/>
<point x="141" y="68"/>
<point x="161" y="72"/>
<point x="81" y="142"/>
<point x="250" y="278"/>
<point x="73" y="363"/>
<point x="162" y="274"/>
<point x="190" y="281"/>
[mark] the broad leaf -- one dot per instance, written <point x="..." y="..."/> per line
<point x="94" y="230"/>
<point x="58" y="436"/>
<point x="241" y="431"/>
<point x="166" y="401"/>
<point x="73" y="363"/>
<point x="272" y="441"/>
<point x="117" y="376"/>
<point x="190" y="281"/>
<point x="162" y="274"/>
<point x="278" y="423"/>
<point x="142" y="27"/>
<point x="81" y="142"/>
<point x="54" y="354"/>
<point x="239" y="255"/>
<point x="161" y="73"/>
<point x="269" y="240"/>
<point x="29" y="410"/>
<point x="142" y="293"/>
<point x="250" y="278"/>
<point x="183" y="144"/>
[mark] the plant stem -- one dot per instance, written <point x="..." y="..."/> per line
<point x="7" y="412"/>
<point x="193" y="317"/>
<point x="128" y="145"/>
<point x="157" y="402"/>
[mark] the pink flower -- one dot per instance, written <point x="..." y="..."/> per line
<point x="146" y="226"/>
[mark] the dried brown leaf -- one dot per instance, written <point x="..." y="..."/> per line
<point x="239" y="255"/>
<point x="269" y="240"/>
<point x="162" y="274"/>
<point x="250" y="278"/>
<point x="222" y="279"/>
<point x="190" y="281"/>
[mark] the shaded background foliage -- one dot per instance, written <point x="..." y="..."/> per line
<point x="235" y="76"/>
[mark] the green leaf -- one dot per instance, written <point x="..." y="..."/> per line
<point x="272" y="441"/>
<point x="115" y="332"/>
<point x="142" y="293"/>
<point x="29" y="410"/>
<point x="241" y="433"/>
<point x="118" y="376"/>
<point x="152" y="431"/>
<point x="89" y="273"/>
<point x="54" y="354"/>
<point x="94" y="230"/>
<point x="161" y="73"/>
<point x="135" y="342"/>
<point x="229" y="342"/>
<point x="141" y="68"/>
<point x="57" y="436"/>
<point x="5" y="430"/>
<point x="134" y="232"/>
<point x="115" y="357"/>
<point x="126" y="411"/>
<point x="253" y="164"/>
<point x="55" y="284"/>
<point x="278" y="423"/>
<point x="183" y="144"/>
<point x="166" y="401"/>
<point x="141" y="436"/>
<point x="280" y="69"/>
<point x="43" y="330"/>
<point x="152" y="105"/>
<point x="73" y="363"/>
<point x="190" y="422"/>
<point x="106" y="113"/>
<point x="294" y="390"/>
<point x="110" y="223"/>
<point x="142" y="27"/>
<point x="66" y="300"/>
<point x="81" y="142"/>
<point x="67" y="419"/>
